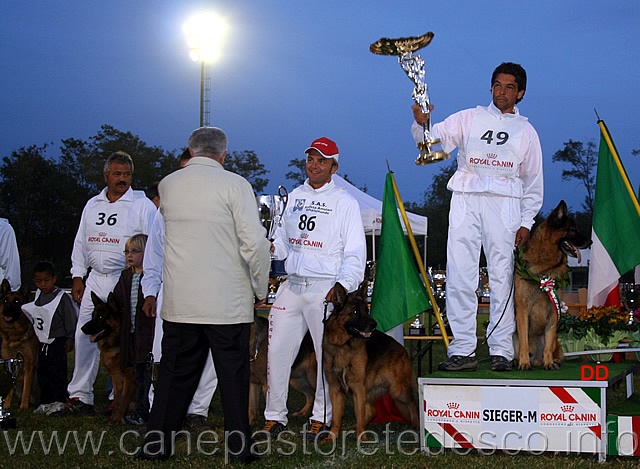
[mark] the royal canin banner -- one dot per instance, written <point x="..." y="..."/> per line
<point x="567" y="419"/>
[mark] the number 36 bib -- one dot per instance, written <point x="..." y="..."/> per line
<point x="493" y="148"/>
<point x="106" y="230"/>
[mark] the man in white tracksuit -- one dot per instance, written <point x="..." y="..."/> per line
<point x="322" y="239"/>
<point x="107" y="221"/>
<point x="9" y="256"/>
<point x="497" y="192"/>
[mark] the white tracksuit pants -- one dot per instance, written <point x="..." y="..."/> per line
<point x="201" y="400"/>
<point x="475" y="221"/>
<point x="87" y="354"/>
<point x="298" y="307"/>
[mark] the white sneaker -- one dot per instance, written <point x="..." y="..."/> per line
<point x="41" y="409"/>
<point x="54" y="407"/>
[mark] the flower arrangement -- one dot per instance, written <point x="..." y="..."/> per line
<point x="597" y="328"/>
<point x="605" y="320"/>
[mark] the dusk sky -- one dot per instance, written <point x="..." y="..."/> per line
<point x="292" y="71"/>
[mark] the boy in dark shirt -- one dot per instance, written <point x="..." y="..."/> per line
<point x="54" y="316"/>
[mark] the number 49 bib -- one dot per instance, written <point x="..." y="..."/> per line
<point x="493" y="148"/>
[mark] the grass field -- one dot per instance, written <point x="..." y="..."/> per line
<point x="70" y="442"/>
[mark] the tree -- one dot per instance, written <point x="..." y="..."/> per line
<point x="582" y="160"/>
<point x="43" y="195"/>
<point x="85" y="159"/>
<point x="247" y="164"/>
<point x="43" y="201"/>
<point x="298" y="177"/>
<point x="435" y="206"/>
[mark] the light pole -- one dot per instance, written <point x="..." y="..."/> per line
<point x="204" y="34"/>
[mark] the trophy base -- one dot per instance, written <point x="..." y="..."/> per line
<point x="427" y="156"/>
<point x="433" y="157"/>
<point x="7" y="423"/>
<point x="417" y="331"/>
<point x="437" y="331"/>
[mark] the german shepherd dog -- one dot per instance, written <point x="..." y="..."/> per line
<point x="544" y="256"/>
<point x="364" y="362"/>
<point x="104" y="328"/>
<point x="18" y="341"/>
<point x="303" y="370"/>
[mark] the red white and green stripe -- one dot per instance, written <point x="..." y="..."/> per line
<point x="616" y="226"/>
<point x="623" y="435"/>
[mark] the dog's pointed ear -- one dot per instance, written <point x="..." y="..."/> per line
<point x="363" y="290"/>
<point x="24" y="291"/>
<point x="338" y="296"/>
<point x="96" y="299"/>
<point x="111" y="302"/>
<point x="5" y="287"/>
<point x="561" y="211"/>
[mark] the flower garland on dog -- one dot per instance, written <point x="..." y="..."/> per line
<point x="546" y="283"/>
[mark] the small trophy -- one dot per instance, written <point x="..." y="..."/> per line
<point x="413" y="65"/>
<point x="417" y="328"/>
<point x="8" y="376"/>
<point x="271" y="209"/>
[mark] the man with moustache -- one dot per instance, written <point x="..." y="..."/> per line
<point x="108" y="220"/>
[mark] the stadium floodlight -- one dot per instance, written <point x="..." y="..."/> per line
<point x="205" y="32"/>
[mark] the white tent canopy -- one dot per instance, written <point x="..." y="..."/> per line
<point x="371" y="213"/>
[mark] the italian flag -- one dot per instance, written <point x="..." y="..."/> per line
<point x="616" y="226"/>
<point x="622" y="435"/>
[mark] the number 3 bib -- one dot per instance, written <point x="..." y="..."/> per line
<point x="493" y="148"/>
<point x="41" y="316"/>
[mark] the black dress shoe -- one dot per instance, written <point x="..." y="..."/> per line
<point x="140" y="455"/>
<point x="247" y="458"/>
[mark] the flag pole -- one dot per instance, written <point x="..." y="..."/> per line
<point x="416" y="253"/>
<point x="616" y="159"/>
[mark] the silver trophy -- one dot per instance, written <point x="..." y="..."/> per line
<point x="413" y="65"/>
<point x="8" y="375"/>
<point x="271" y="209"/>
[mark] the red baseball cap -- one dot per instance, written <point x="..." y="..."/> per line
<point x="325" y="147"/>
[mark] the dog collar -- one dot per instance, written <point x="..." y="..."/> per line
<point x="546" y="283"/>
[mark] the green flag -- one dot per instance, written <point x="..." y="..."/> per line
<point x="398" y="291"/>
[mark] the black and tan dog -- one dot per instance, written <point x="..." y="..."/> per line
<point x="104" y="328"/>
<point x="303" y="370"/>
<point x="365" y="363"/>
<point x="18" y="341"/>
<point x="540" y="266"/>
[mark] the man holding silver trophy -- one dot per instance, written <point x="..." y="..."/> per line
<point x="321" y="238"/>
<point x="497" y="191"/>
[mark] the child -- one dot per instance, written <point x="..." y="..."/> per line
<point x="136" y="332"/>
<point x="54" y="316"/>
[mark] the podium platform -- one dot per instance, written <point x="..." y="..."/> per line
<point x="535" y="411"/>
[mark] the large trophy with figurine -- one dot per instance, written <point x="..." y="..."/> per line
<point x="271" y="209"/>
<point x="413" y="65"/>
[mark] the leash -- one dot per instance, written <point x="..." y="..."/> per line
<point x="324" y="386"/>
<point x="255" y="347"/>
<point x="484" y="342"/>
